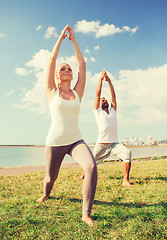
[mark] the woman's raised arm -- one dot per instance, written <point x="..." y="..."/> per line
<point x="50" y="75"/>
<point x="80" y="85"/>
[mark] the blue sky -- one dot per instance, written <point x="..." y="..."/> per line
<point x="126" y="38"/>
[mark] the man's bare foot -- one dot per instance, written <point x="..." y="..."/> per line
<point x="126" y="183"/>
<point x="82" y="177"/>
<point x="41" y="199"/>
<point x="88" y="220"/>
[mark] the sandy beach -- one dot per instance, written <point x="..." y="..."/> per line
<point x="30" y="169"/>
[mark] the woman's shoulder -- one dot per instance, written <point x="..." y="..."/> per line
<point x="76" y="93"/>
<point x="52" y="95"/>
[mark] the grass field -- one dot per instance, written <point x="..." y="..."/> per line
<point x="138" y="212"/>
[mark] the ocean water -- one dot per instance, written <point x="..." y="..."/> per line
<point x="35" y="156"/>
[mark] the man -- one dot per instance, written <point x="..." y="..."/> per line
<point x="107" y="140"/>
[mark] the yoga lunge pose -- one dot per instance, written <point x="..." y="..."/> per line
<point x="107" y="140"/>
<point x="64" y="136"/>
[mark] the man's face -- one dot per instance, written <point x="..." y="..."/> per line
<point x="103" y="103"/>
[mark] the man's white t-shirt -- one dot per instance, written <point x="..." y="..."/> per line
<point x="107" y="125"/>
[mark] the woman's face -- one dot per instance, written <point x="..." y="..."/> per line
<point x="64" y="73"/>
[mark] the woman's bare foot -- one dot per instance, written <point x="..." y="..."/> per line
<point x="41" y="199"/>
<point x="126" y="183"/>
<point x="88" y="220"/>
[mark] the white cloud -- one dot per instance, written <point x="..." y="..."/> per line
<point x="101" y="30"/>
<point x="10" y="92"/>
<point x="39" y="60"/>
<point x="27" y="106"/>
<point x="133" y="30"/>
<point x="39" y="27"/>
<point x="87" y="27"/>
<point x="2" y="35"/>
<point x="96" y="48"/>
<point x="22" y="71"/>
<point x="87" y="51"/>
<point x="51" y="31"/>
<point x="141" y="94"/>
<point x="35" y="99"/>
<point x="92" y="59"/>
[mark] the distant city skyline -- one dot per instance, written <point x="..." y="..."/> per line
<point x="127" y="39"/>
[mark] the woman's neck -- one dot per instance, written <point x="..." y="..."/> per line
<point x="65" y="86"/>
<point x="65" y="92"/>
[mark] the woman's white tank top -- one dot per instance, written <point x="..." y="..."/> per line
<point x="64" y="128"/>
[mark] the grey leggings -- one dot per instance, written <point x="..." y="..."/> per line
<point x="81" y="153"/>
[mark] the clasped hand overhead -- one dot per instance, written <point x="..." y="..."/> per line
<point x="70" y="33"/>
<point x="104" y="76"/>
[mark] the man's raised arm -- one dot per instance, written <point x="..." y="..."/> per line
<point x="112" y="91"/>
<point x="98" y="91"/>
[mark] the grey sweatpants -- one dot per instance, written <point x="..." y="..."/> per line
<point x="81" y="153"/>
<point x="102" y="151"/>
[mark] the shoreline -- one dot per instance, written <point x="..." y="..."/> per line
<point x="10" y="171"/>
<point x="92" y="145"/>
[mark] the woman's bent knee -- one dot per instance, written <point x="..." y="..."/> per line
<point x="91" y="169"/>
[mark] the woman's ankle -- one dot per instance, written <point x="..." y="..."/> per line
<point x="42" y="199"/>
<point x="87" y="219"/>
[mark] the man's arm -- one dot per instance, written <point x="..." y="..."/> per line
<point x="112" y="91"/>
<point x="98" y="91"/>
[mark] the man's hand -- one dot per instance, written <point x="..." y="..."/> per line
<point x="102" y="77"/>
<point x="106" y="77"/>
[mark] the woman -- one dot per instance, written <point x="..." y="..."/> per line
<point x="64" y="136"/>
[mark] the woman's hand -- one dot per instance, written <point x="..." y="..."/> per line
<point x="70" y="35"/>
<point x="63" y="34"/>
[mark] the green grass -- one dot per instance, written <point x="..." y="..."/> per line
<point x="138" y="212"/>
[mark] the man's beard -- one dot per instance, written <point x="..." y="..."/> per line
<point x="105" y="106"/>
